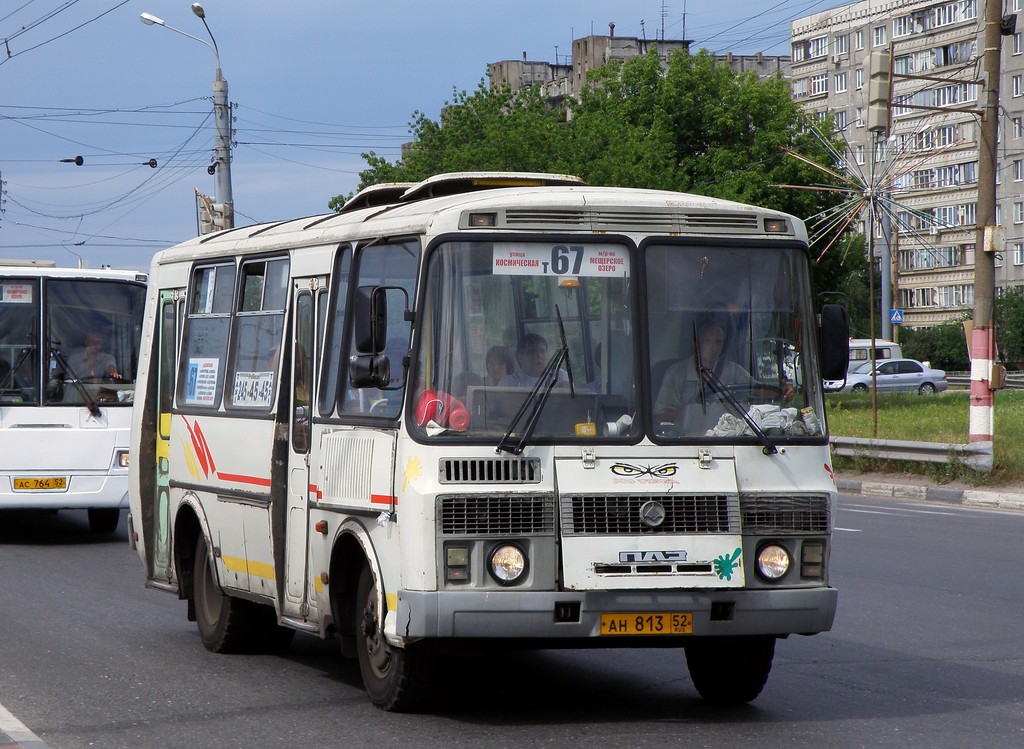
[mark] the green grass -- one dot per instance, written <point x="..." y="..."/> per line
<point x="937" y="418"/>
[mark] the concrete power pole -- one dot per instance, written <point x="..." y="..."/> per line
<point x="982" y="334"/>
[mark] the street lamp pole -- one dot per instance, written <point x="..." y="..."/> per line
<point x="221" y="166"/>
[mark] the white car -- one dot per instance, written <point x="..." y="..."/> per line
<point x="892" y="375"/>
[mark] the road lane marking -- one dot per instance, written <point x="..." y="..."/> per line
<point x="16" y="731"/>
<point x="849" y="530"/>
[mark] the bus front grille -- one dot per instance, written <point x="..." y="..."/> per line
<point x="496" y="515"/>
<point x="489" y="470"/>
<point x="622" y="515"/>
<point x="770" y="514"/>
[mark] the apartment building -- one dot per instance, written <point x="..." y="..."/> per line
<point x="931" y="156"/>
<point x="566" y="80"/>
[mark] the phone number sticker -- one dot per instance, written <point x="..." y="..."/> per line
<point x="560" y="260"/>
<point x="253" y="389"/>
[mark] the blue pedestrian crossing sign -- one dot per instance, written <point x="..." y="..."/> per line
<point x="896" y="316"/>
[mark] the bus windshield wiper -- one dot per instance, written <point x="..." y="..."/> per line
<point x="537" y="398"/>
<point x="722" y="390"/>
<point x="82" y="389"/>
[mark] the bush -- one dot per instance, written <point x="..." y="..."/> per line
<point x="943" y="346"/>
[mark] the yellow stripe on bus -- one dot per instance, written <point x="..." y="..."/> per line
<point x="258" y="569"/>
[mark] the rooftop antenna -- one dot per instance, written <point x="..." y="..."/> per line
<point x="664" y="12"/>
<point x="684" y="20"/>
<point x="643" y="31"/>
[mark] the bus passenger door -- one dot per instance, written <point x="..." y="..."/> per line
<point x="300" y="401"/>
<point x="167" y="347"/>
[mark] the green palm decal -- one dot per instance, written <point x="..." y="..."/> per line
<point x="725" y="565"/>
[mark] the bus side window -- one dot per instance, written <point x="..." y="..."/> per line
<point x="302" y="374"/>
<point x="392" y="265"/>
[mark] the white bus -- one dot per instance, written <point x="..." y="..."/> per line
<point x="68" y="352"/>
<point x="442" y="417"/>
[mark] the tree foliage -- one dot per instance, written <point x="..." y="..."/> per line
<point x="1009" y="320"/>
<point x="943" y="346"/>
<point x="693" y="126"/>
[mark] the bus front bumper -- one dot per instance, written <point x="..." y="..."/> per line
<point x="577" y="614"/>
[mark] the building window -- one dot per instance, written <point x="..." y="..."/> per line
<point x="878" y="37"/>
<point x="839" y="44"/>
<point x="1018" y="212"/>
<point x="800" y="88"/>
<point x="1018" y="170"/>
<point x="799" y="51"/>
<point x="819" y="84"/>
<point x="1017" y="43"/>
<point x="840" y="82"/>
<point x="859" y="39"/>
<point x="858" y="154"/>
<point x="840" y="117"/>
<point x="859" y="77"/>
<point x="902" y="26"/>
<point x="1018" y="127"/>
<point x="1018" y="253"/>
<point x="860" y="117"/>
<point x="818" y="46"/>
<point x="1018" y="85"/>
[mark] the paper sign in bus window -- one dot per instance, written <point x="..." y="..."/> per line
<point x="254" y="389"/>
<point x="16" y="293"/>
<point x="560" y="260"/>
<point x="201" y="381"/>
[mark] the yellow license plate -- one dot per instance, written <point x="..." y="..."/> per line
<point x="40" y="483"/>
<point x="668" y="623"/>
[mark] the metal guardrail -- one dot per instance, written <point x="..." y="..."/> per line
<point x="976" y="455"/>
<point x="1013" y="381"/>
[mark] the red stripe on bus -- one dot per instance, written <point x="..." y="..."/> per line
<point x="255" y="480"/>
<point x="314" y="489"/>
<point x="382" y="499"/>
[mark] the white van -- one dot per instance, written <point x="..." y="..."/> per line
<point x="859" y="348"/>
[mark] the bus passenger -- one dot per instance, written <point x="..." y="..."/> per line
<point x="499" y="364"/>
<point x="532" y="356"/>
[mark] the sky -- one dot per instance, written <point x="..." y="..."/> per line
<point x="315" y="83"/>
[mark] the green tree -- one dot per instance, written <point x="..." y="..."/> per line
<point x="1009" y="320"/>
<point x="693" y="126"/>
<point x="943" y="346"/>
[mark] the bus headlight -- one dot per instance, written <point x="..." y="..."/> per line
<point x="507" y="564"/>
<point x="121" y="459"/>
<point x="772" y="562"/>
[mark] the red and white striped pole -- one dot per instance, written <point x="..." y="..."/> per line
<point x="982" y="395"/>
<point x="982" y="338"/>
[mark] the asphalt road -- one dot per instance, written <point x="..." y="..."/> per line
<point x="927" y="651"/>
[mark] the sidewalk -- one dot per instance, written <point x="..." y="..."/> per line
<point x="925" y="489"/>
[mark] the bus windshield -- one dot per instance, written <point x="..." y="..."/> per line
<point x="494" y="320"/>
<point x="728" y="330"/>
<point x="63" y="340"/>
<point x="726" y="335"/>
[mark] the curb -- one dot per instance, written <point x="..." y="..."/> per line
<point x="966" y="497"/>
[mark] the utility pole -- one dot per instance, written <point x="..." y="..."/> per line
<point x="982" y="342"/>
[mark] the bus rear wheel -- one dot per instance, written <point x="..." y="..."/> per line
<point x="394" y="678"/>
<point x="104" y="519"/>
<point x="730" y="670"/>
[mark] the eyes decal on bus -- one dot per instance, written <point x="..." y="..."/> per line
<point x="634" y="471"/>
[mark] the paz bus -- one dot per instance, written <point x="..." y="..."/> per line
<point x="68" y="352"/>
<point x="319" y="443"/>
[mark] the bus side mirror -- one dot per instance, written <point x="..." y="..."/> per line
<point x="369" y="371"/>
<point x="834" y="341"/>
<point x="370" y="326"/>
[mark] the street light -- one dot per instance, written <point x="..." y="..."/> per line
<point x="222" y="150"/>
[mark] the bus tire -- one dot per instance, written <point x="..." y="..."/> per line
<point x="104" y="519"/>
<point x="730" y="670"/>
<point x="222" y="620"/>
<point x="394" y="678"/>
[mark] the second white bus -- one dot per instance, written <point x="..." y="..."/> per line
<point x="475" y="411"/>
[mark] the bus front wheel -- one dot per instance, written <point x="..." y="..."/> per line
<point x="394" y="678"/>
<point x="730" y="670"/>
